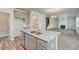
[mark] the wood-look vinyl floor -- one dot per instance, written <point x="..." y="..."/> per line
<point x="7" y="44"/>
<point x="67" y="40"/>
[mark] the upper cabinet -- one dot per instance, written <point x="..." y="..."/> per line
<point x="21" y="21"/>
<point x="21" y="14"/>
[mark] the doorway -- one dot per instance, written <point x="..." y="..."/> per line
<point x="47" y="22"/>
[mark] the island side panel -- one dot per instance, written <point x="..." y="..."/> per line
<point x="52" y="44"/>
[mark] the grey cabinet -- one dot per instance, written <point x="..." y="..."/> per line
<point x="27" y="42"/>
<point x="22" y="41"/>
<point x="30" y="42"/>
<point x="41" y="45"/>
<point x="21" y="14"/>
<point x="34" y="43"/>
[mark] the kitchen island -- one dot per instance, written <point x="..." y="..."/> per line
<point x="44" y="40"/>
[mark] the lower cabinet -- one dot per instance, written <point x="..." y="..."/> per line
<point x="33" y="43"/>
<point x="22" y="41"/>
<point x="30" y="42"/>
<point x="41" y="45"/>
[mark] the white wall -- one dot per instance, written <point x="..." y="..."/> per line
<point x="77" y="30"/>
<point x="67" y="20"/>
<point x="72" y="22"/>
<point x="77" y="22"/>
<point x="63" y="21"/>
<point x="77" y="25"/>
<point x="5" y="10"/>
<point x="41" y="20"/>
<point x="18" y="26"/>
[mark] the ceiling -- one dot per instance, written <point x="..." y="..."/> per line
<point x="55" y="11"/>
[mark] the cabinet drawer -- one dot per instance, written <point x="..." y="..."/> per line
<point x="42" y="43"/>
<point x="40" y="47"/>
<point x="32" y="38"/>
<point x="30" y="42"/>
<point x="32" y="45"/>
<point x="27" y="37"/>
<point x="27" y="45"/>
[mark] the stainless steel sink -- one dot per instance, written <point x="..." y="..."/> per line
<point x="33" y="31"/>
<point x="36" y="33"/>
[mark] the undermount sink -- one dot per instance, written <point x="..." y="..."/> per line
<point x="35" y="32"/>
<point x="38" y="33"/>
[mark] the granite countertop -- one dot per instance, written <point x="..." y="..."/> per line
<point x="45" y="35"/>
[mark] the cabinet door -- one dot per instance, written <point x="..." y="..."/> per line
<point x="22" y="38"/>
<point x="32" y="43"/>
<point x="39" y="47"/>
<point x="42" y="43"/>
<point x="18" y="14"/>
<point x="27" y="42"/>
<point x="52" y="45"/>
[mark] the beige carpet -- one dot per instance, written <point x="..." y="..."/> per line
<point x="68" y="40"/>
